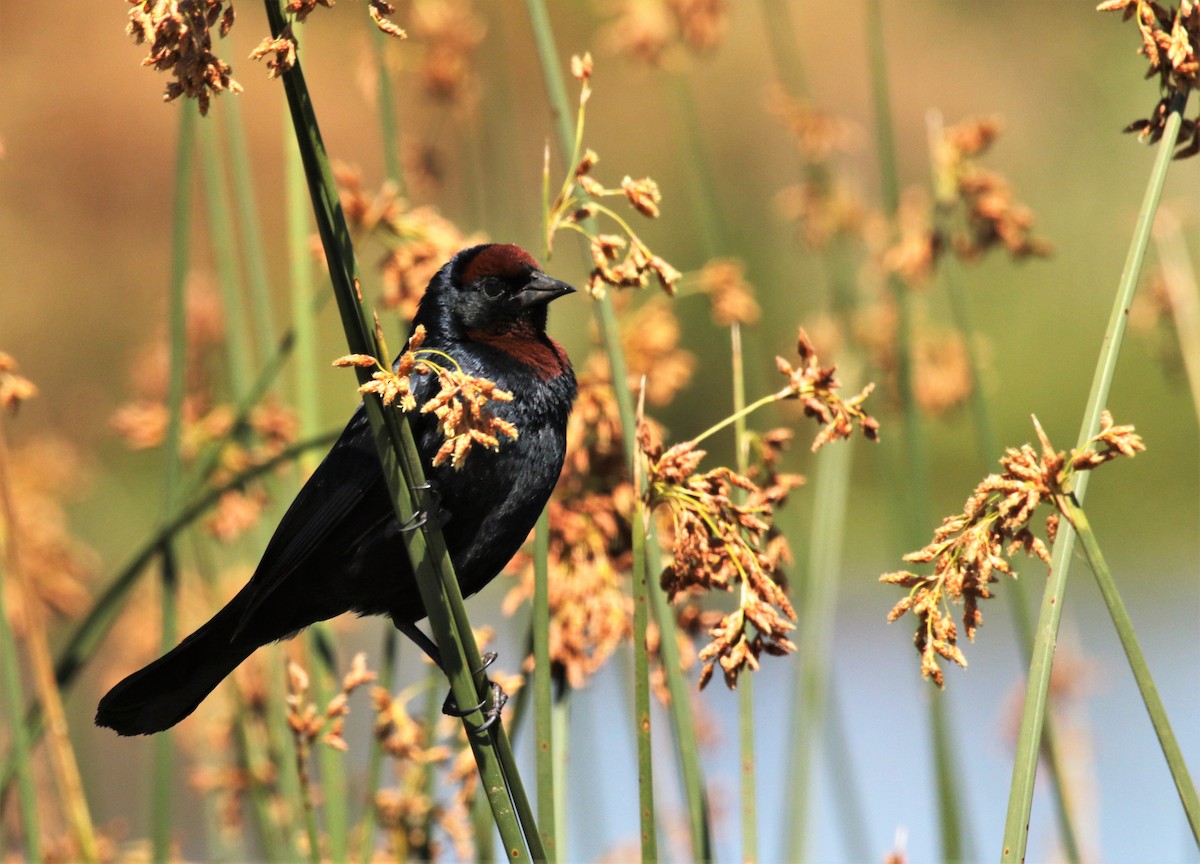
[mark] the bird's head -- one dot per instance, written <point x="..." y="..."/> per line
<point x="494" y="287"/>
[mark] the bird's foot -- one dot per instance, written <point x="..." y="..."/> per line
<point x="430" y="513"/>
<point x="498" y="698"/>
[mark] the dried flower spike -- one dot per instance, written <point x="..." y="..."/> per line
<point x="721" y="544"/>
<point x="180" y="37"/>
<point x="972" y="546"/>
<point x="816" y="388"/>
<point x="461" y="404"/>
<point x="621" y="260"/>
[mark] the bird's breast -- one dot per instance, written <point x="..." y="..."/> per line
<point x="544" y="357"/>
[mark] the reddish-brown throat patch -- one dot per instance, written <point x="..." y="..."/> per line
<point x="502" y="259"/>
<point x="521" y="342"/>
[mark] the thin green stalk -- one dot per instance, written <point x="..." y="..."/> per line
<point x="543" y="686"/>
<point x="163" y="771"/>
<point x="258" y="282"/>
<point x="238" y="351"/>
<point x="65" y="766"/>
<point x="852" y="817"/>
<point x="304" y="323"/>
<point x="746" y="688"/>
<point x="681" y="717"/>
<point x="819" y="605"/>
<point x="1137" y="661"/>
<point x="14" y="699"/>
<point x="561" y="721"/>
<point x="332" y="765"/>
<point x="641" y="687"/>
<point x="485" y="831"/>
<point x="785" y="50"/>
<point x="366" y="826"/>
<point x="404" y="473"/>
<point x="955" y="845"/>
<point x="385" y="105"/>
<point x="1037" y="688"/>
<point x="1179" y="278"/>
<point x="172" y="449"/>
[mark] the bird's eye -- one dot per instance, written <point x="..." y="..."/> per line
<point x="493" y="288"/>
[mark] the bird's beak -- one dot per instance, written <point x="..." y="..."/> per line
<point x="541" y="290"/>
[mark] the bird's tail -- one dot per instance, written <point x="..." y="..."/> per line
<point x="169" y="689"/>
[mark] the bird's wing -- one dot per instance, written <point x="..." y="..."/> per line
<point x="329" y="508"/>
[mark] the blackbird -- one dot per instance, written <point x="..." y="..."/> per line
<point x="339" y="547"/>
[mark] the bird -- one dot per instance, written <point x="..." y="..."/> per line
<point x="339" y="547"/>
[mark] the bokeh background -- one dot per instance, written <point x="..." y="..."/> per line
<point x="85" y="203"/>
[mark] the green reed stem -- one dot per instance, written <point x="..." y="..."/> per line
<point x="258" y="282"/>
<point x="1037" y="688"/>
<point x="641" y="686"/>
<point x="172" y="451"/>
<point x="780" y="30"/>
<point x="160" y="807"/>
<point x="13" y="697"/>
<point x="746" y="688"/>
<point x="220" y="220"/>
<point x="955" y="845"/>
<point x="403" y="470"/>
<point x="852" y="817"/>
<point x="1018" y="596"/>
<point x="818" y="596"/>
<point x="543" y="697"/>
<point x="1179" y="277"/>
<point x="1137" y="660"/>
<point x="680" y="691"/>
<point x="385" y="104"/>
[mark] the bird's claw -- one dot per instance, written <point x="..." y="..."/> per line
<point x="430" y="514"/>
<point x="498" y="698"/>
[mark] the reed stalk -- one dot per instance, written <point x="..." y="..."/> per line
<point x="67" y="778"/>
<point x="606" y="318"/>
<point x="401" y="462"/>
<point x="14" y="698"/>
<point x="1037" y="688"/>
<point x="1137" y="661"/>
<point x="955" y="844"/>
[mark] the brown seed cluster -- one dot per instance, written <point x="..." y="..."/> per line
<point x="620" y="260"/>
<point x="307" y="721"/>
<point x="816" y="387"/>
<point x="590" y="539"/>
<point x="283" y="49"/>
<point x="451" y="32"/>
<point x="15" y="388"/>
<point x="461" y="404"/>
<point x="418" y="240"/>
<point x="990" y="214"/>
<point x="976" y="209"/>
<point x="1169" y="37"/>
<point x="180" y="36"/>
<point x="650" y="338"/>
<point x="972" y="546"/>
<point x="721" y="544"/>
<point x="723" y="280"/>
<point x="647" y="29"/>
<point x="43" y="475"/>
